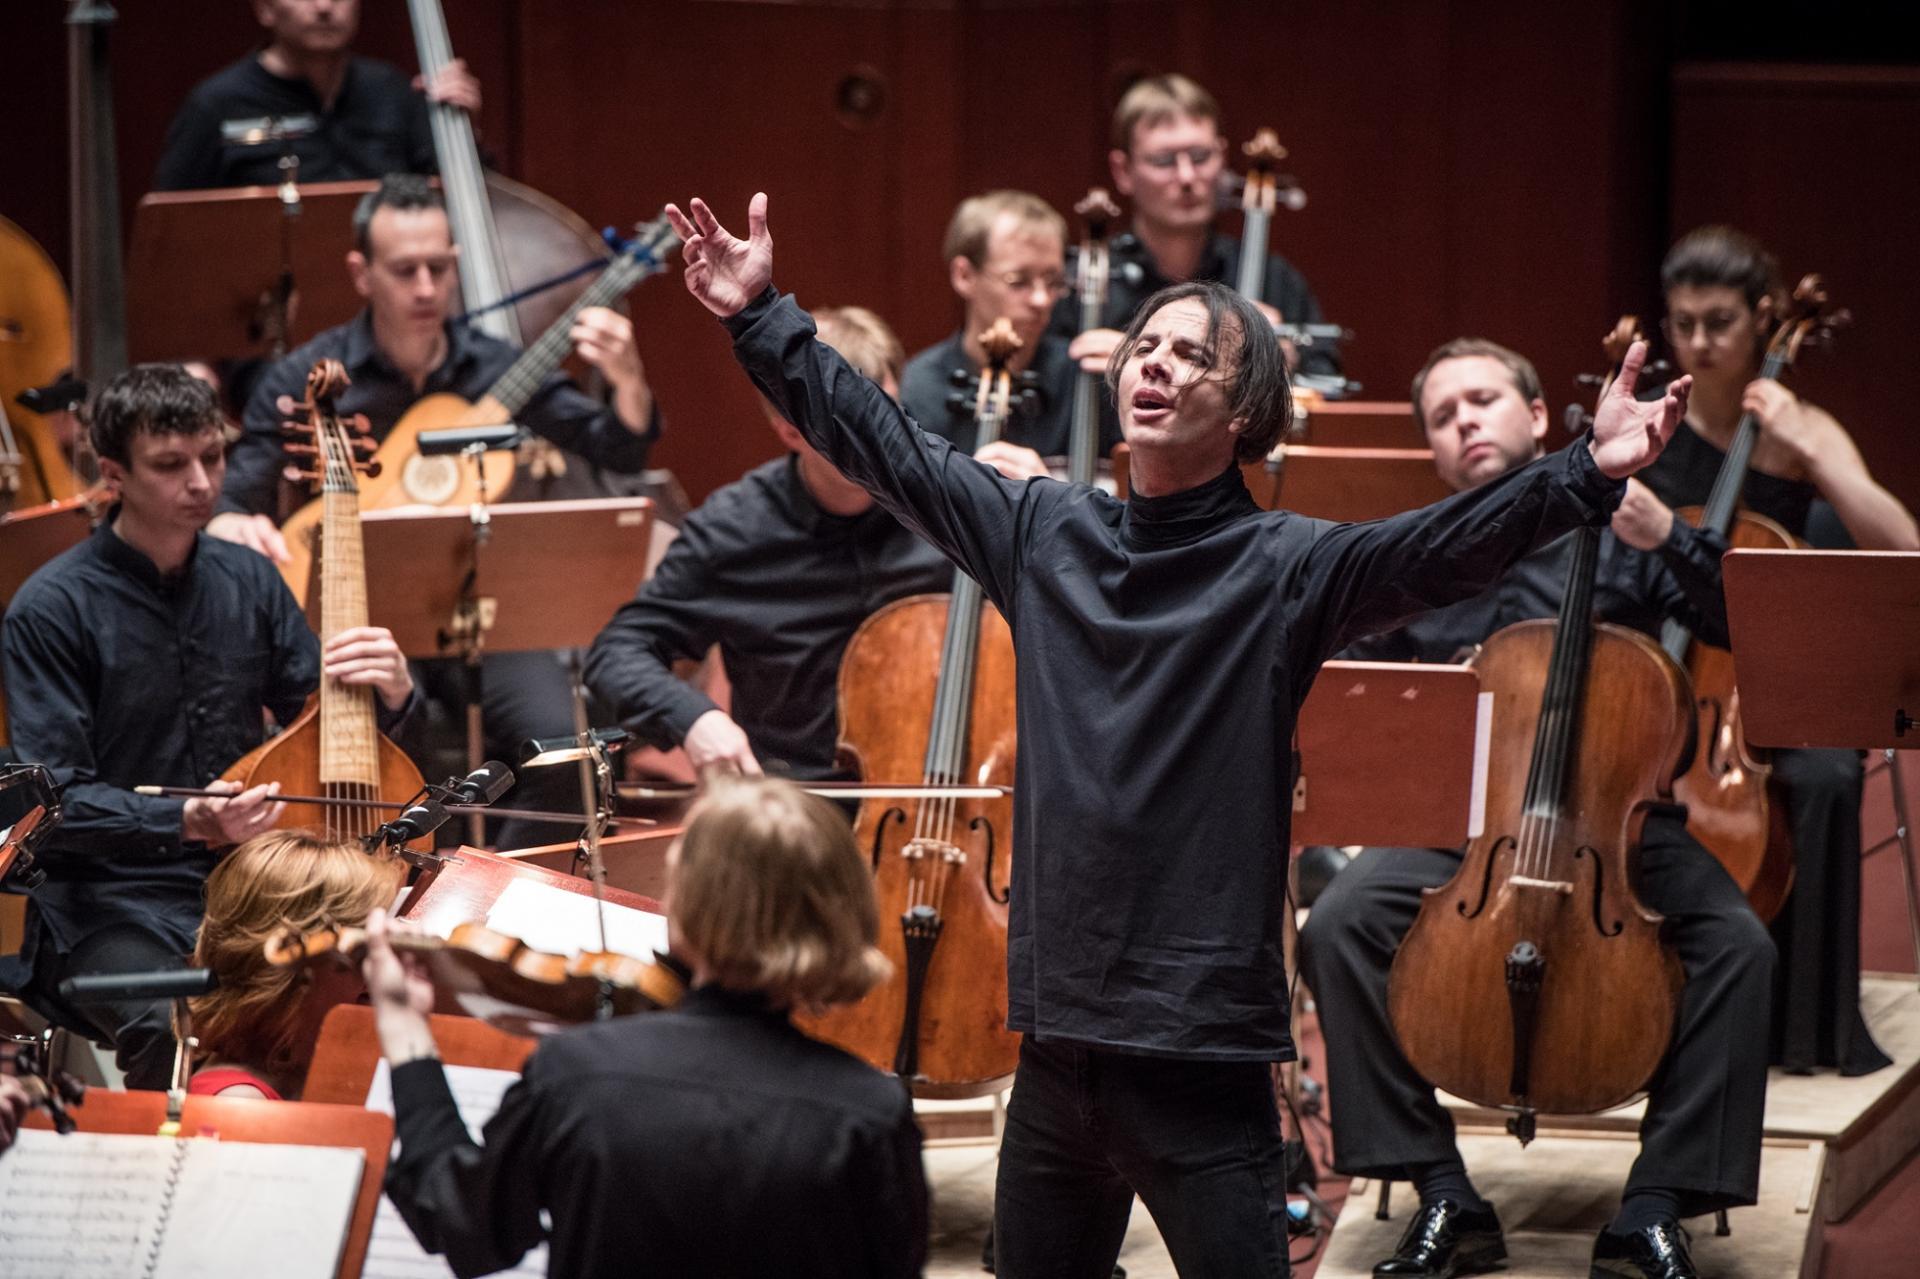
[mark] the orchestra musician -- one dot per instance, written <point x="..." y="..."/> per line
<point x="1167" y="158"/>
<point x="779" y="569"/>
<point x="1484" y="416"/>
<point x="1164" y="645"/>
<point x="146" y="655"/>
<point x="404" y="346"/>
<point x="343" y="116"/>
<point x="1006" y="258"/>
<point x="1807" y="475"/>
<point x="257" y="1027"/>
<point x="713" y="1138"/>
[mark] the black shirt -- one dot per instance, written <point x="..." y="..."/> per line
<point x="1042" y="420"/>
<point x="1286" y="291"/>
<point x="474" y="362"/>
<point x="1164" y="646"/>
<point x="1680" y="580"/>
<point x="780" y="585"/>
<point x="714" y="1140"/>
<point x="1684" y="473"/>
<point x="118" y="677"/>
<point x="377" y="125"/>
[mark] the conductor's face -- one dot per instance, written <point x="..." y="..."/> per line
<point x="1478" y="423"/>
<point x="311" y="26"/>
<point x="1172" y="392"/>
<point x="408" y="273"/>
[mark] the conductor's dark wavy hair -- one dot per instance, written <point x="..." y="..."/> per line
<point x="159" y="399"/>
<point x="1254" y="373"/>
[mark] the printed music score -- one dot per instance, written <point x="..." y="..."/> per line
<point x="563" y="923"/>
<point x="110" y="1205"/>
<point x="392" y="1251"/>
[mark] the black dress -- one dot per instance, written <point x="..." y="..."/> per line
<point x="1816" y="1017"/>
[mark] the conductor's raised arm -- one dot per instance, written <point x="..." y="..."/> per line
<point x="723" y="271"/>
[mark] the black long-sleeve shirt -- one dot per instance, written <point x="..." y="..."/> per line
<point x="714" y="1139"/>
<point x="119" y="677"/>
<point x="376" y="125"/>
<point x="1164" y="647"/>
<point x="1042" y="420"/>
<point x="780" y="585"/>
<point x="474" y="362"/>
<point x="1638" y="589"/>
<point x="1285" y="290"/>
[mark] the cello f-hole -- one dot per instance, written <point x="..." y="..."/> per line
<point x="1486" y="877"/>
<point x="1599" y="891"/>
<point x="880" y="831"/>
<point x="981" y="823"/>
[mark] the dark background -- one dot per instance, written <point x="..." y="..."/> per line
<point x="1499" y="167"/>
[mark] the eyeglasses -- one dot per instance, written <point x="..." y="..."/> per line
<point x="1198" y="157"/>
<point x="1055" y="286"/>
<point x="1717" y="325"/>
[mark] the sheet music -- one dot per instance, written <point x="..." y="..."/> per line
<point x="563" y="923"/>
<point x="392" y="1253"/>
<point x="110" y="1205"/>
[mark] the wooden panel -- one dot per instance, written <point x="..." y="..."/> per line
<point x="1804" y="158"/>
<point x="348" y="1051"/>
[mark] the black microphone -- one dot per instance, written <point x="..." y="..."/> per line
<point x="417" y="822"/>
<point x="164" y="983"/>
<point x="482" y="786"/>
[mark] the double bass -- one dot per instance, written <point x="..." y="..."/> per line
<point x="1535" y="979"/>
<point x="1731" y="805"/>
<point x="35" y="345"/>
<point x="334" y="747"/>
<point x="942" y="866"/>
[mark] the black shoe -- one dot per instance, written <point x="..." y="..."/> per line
<point x="1658" y="1252"/>
<point x="1444" y="1240"/>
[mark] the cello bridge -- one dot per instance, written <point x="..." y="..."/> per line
<point x="1551" y="885"/>
<point x="924" y="848"/>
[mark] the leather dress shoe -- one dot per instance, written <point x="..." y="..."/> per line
<point x="1657" y="1252"/>
<point x="1443" y="1240"/>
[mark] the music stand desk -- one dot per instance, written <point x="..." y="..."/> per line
<point x="200" y="264"/>
<point x="1392" y="754"/>
<point x="1385" y="424"/>
<point x="31" y="537"/>
<point x="348" y="1051"/>
<point x="555" y="571"/>
<point x="1354" y="484"/>
<point x="1826" y="646"/>
<point x="287" y="1123"/>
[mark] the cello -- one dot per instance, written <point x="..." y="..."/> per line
<point x="35" y="345"/>
<point x="334" y="747"/>
<point x="1098" y="211"/>
<point x="1535" y="979"/>
<point x="942" y="866"/>
<point x="1731" y="807"/>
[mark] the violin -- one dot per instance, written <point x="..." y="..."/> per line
<point x="499" y="978"/>
<point x="927" y="695"/>
<point x="1098" y="211"/>
<point x="1535" y="979"/>
<point x="403" y="476"/>
<point x="334" y="748"/>
<point x="1728" y="790"/>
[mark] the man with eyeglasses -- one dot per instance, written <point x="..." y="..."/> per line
<point x="1167" y="158"/>
<point x="1006" y="260"/>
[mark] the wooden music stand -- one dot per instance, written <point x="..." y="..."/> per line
<point x="636" y="863"/>
<point x="348" y="1051"/>
<point x="1361" y="424"/>
<point x="1353" y="484"/>
<point x="1393" y="754"/>
<point x="1824" y="646"/>
<point x="203" y="267"/>
<point x="289" y="1123"/>
<point x="464" y="887"/>
<point x="31" y="537"/>
<point x="419" y="559"/>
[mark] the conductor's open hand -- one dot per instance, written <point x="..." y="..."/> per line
<point x="1628" y="434"/>
<point x="724" y="272"/>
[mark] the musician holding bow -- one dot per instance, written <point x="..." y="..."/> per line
<point x="146" y="655"/>
<point x="1164" y="645"/>
<point x="1484" y="416"/>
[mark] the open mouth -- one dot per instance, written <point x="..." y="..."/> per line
<point x="1148" y="400"/>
